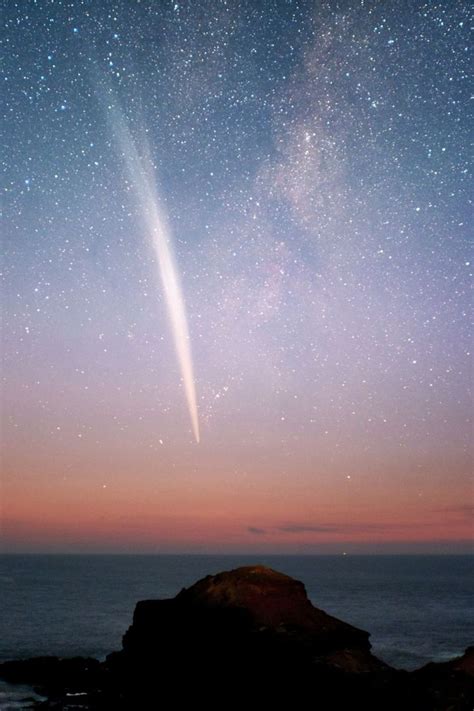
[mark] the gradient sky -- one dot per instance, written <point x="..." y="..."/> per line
<point x="312" y="158"/>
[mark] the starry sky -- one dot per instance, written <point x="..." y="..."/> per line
<point x="312" y="160"/>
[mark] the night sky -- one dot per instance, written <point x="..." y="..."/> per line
<point x="312" y="160"/>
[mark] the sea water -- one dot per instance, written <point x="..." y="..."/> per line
<point x="416" y="608"/>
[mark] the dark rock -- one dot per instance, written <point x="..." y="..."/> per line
<point x="51" y="671"/>
<point x="243" y="630"/>
<point x="464" y="664"/>
<point x="251" y="601"/>
<point x="61" y="680"/>
<point x="449" y="685"/>
<point x="274" y="601"/>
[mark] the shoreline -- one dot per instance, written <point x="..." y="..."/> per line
<point x="251" y="629"/>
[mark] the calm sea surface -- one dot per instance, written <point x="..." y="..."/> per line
<point x="417" y="608"/>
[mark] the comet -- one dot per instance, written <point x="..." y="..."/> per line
<point x="141" y="174"/>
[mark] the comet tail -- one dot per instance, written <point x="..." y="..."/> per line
<point x="141" y="175"/>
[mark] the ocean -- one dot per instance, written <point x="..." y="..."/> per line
<point x="417" y="608"/>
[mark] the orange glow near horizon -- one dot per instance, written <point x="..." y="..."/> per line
<point x="57" y="509"/>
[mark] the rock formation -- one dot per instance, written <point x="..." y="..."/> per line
<point x="251" y="607"/>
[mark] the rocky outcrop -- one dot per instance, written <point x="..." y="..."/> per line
<point x="448" y="685"/>
<point x="61" y="680"/>
<point x="464" y="664"/>
<point x="249" y="610"/>
<point x="251" y="638"/>
<point x="48" y="671"/>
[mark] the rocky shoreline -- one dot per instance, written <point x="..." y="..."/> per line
<point x="249" y="638"/>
